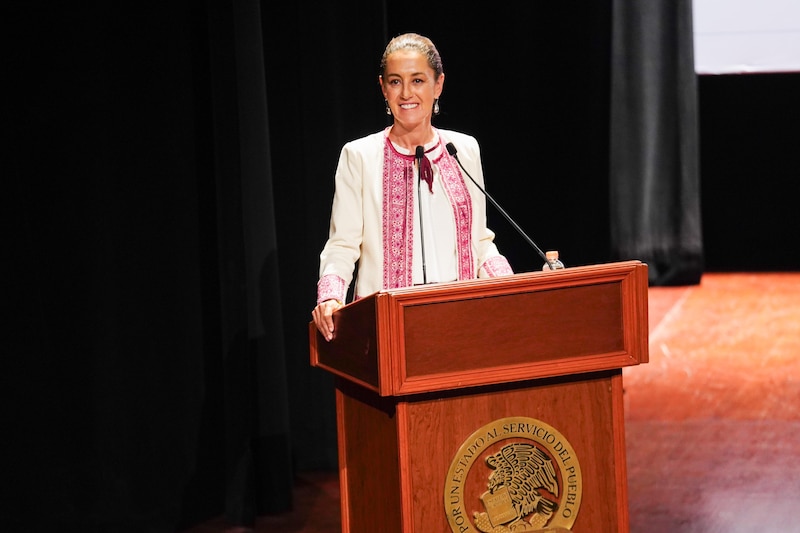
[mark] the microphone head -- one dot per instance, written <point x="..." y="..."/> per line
<point x="420" y="152"/>
<point x="451" y="149"/>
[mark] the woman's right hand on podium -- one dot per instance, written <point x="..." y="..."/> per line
<point x="323" y="317"/>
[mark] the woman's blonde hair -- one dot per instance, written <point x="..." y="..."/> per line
<point x="414" y="41"/>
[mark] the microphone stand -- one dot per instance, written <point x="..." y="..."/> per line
<point x="420" y="153"/>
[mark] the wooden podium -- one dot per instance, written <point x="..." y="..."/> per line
<point x="420" y="369"/>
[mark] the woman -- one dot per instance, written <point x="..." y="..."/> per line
<point x="402" y="209"/>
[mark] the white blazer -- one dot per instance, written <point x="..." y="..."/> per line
<point x="356" y="233"/>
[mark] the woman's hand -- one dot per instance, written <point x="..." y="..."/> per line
<point x="323" y="317"/>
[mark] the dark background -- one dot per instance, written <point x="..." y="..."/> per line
<point x="122" y="390"/>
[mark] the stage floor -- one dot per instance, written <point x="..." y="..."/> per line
<point x="712" y="421"/>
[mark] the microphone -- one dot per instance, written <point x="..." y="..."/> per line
<point x="419" y="153"/>
<point x="451" y="149"/>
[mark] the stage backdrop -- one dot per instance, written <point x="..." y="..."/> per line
<point x="168" y="187"/>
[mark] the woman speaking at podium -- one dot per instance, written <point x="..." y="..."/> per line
<point x="402" y="210"/>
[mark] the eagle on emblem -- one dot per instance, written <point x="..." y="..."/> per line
<point x="524" y="470"/>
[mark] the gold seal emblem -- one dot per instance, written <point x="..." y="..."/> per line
<point x="524" y="474"/>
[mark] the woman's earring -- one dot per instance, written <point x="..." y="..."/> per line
<point x="436" y="107"/>
<point x="388" y="111"/>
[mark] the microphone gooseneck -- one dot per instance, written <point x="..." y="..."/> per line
<point x="419" y="153"/>
<point x="451" y="149"/>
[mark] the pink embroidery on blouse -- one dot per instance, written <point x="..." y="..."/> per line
<point x="398" y="221"/>
<point x="398" y="215"/>
<point x="454" y="187"/>
<point x="497" y="266"/>
<point x="330" y="287"/>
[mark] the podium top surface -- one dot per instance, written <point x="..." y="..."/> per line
<point x="489" y="331"/>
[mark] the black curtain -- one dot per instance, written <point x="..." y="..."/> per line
<point x="654" y="155"/>
<point x="258" y="465"/>
<point x="322" y="86"/>
<point x="147" y="388"/>
<point x="748" y="137"/>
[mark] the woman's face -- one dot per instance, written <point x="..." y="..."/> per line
<point x="409" y="86"/>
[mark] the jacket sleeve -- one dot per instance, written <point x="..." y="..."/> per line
<point x="343" y="247"/>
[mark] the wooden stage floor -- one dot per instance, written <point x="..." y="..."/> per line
<point x="712" y="421"/>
